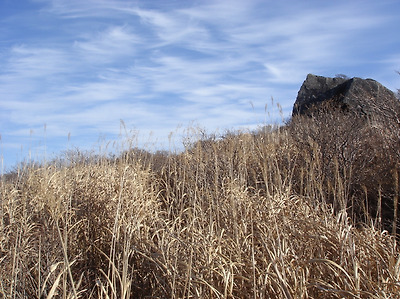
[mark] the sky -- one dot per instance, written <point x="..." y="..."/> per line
<point x="89" y="74"/>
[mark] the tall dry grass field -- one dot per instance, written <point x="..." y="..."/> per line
<point x="246" y="216"/>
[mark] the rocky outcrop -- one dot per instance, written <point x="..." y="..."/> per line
<point x="363" y="96"/>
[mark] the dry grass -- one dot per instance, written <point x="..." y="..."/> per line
<point x="238" y="217"/>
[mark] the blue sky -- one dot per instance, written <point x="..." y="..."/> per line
<point x="71" y="70"/>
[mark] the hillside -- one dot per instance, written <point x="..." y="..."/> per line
<point x="297" y="211"/>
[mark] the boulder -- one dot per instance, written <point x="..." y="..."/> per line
<point x="363" y="96"/>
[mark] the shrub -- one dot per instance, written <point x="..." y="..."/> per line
<point x="353" y="160"/>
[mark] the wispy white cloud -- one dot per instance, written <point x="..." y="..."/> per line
<point x="82" y="9"/>
<point x="113" y="44"/>
<point x="35" y="62"/>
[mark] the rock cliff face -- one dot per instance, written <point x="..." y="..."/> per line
<point x="363" y="96"/>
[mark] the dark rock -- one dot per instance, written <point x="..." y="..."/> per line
<point x="363" y="96"/>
